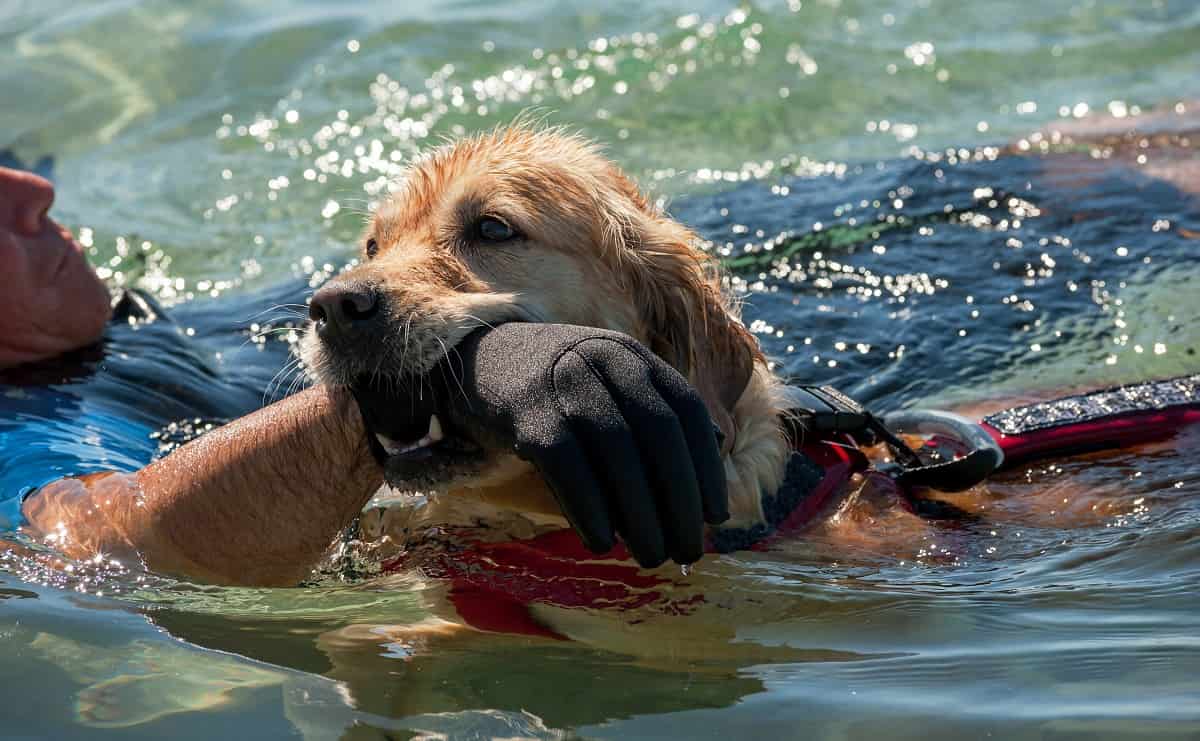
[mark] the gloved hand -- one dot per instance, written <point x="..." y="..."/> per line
<point x="625" y="444"/>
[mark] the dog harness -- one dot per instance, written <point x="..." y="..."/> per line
<point x="493" y="584"/>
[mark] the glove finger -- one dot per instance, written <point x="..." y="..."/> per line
<point x="568" y="473"/>
<point x="609" y="445"/>
<point x="669" y="467"/>
<point x="701" y="435"/>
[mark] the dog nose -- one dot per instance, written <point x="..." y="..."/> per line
<point x="340" y="308"/>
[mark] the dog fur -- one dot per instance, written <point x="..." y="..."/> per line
<point x="593" y="251"/>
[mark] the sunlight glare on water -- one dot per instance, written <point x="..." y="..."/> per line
<point x="925" y="202"/>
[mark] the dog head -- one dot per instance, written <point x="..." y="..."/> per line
<point x="520" y="224"/>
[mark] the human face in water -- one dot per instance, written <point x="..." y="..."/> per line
<point x="52" y="301"/>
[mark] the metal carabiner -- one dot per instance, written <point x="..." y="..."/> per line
<point x="823" y="411"/>
<point x="982" y="454"/>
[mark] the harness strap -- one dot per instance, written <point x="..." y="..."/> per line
<point x="1108" y="418"/>
<point x="825" y="412"/>
<point x="815" y="474"/>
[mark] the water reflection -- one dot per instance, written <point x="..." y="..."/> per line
<point x="1067" y="607"/>
<point x="913" y="280"/>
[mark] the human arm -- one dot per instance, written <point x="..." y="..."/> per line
<point x="258" y="501"/>
<point x="255" y="502"/>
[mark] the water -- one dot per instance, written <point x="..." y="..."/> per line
<point x="849" y="159"/>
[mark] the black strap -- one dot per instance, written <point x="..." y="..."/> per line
<point x="823" y="411"/>
<point x="800" y="479"/>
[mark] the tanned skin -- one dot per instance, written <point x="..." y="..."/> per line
<point x="256" y="502"/>
<point x="52" y="301"/>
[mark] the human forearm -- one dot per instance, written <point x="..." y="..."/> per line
<point x="255" y="502"/>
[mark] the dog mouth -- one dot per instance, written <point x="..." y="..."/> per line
<point x="401" y="414"/>
<point x="411" y="431"/>
<point x="431" y="437"/>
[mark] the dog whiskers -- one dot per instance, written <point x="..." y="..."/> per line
<point x="299" y="311"/>
<point x="293" y="365"/>
<point x="453" y="374"/>
<point x="460" y="386"/>
<point x="482" y="322"/>
<point x="299" y="379"/>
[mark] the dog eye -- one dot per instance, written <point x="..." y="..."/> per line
<point x="372" y="248"/>
<point x="491" y="229"/>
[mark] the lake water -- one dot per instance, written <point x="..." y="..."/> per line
<point x="868" y="170"/>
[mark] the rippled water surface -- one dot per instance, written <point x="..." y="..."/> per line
<point x="874" y="176"/>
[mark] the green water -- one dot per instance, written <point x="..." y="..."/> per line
<point x="214" y="149"/>
<point x="174" y="122"/>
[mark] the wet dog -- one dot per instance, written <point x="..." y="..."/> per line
<point x="532" y="224"/>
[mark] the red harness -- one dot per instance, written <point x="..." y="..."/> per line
<point x="493" y="584"/>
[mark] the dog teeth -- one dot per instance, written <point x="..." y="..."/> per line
<point x="393" y="447"/>
<point x="390" y="446"/>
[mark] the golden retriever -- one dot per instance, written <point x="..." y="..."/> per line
<point x="534" y="224"/>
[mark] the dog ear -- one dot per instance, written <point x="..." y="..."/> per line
<point x="686" y="321"/>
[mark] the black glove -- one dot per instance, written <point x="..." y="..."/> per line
<point x="625" y="444"/>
